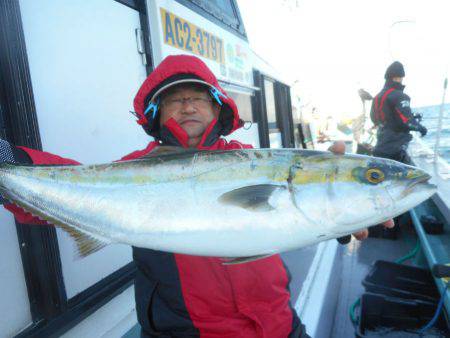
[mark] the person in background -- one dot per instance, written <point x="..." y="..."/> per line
<point x="391" y="113"/>
<point x="182" y="104"/>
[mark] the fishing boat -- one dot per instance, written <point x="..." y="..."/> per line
<point x="67" y="67"/>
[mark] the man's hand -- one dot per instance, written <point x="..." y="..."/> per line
<point x="338" y="148"/>
<point x="414" y="125"/>
<point x="363" y="234"/>
<point x="422" y="130"/>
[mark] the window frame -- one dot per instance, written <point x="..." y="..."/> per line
<point x="284" y="114"/>
<point x="283" y="108"/>
<point x="273" y="126"/>
<point x="197" y="7"/>
<point x="51" y="311"/>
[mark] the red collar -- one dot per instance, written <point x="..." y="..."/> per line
<point x="173" y="134"/>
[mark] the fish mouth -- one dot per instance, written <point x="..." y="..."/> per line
<point x="420" y="180"/>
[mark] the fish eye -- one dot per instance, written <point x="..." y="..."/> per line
<point x="374" y="175"/>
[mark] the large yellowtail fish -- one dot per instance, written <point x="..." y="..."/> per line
<point x="241" y="203"/>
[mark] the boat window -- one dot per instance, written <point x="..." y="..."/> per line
<point x="270" y="104"/>
<point x="275" y="137"/>
<point x="244" y="104"/>
<point x="221" y="9"/>
<point x="272" y="111"/>
<point x="224" y="12"/>
<point x="249" y="133"/>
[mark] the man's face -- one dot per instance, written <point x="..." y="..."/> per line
<point x="192" y="108"/>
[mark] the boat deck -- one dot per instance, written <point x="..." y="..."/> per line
<point x="357" y="260"/>
<point x="435" y="247"/>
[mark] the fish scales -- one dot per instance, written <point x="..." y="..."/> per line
<point x="249" y="202"/>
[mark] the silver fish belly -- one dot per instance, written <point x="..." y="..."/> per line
<point x="226" y="203"/>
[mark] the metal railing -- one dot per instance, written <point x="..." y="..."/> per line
<point x="439" y="127"/>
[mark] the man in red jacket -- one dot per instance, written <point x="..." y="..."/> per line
<point x="182" y="104"/>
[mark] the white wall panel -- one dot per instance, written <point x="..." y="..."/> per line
<point x="112" y="320"/>
<point x="14" y="305"/>
<point x="85" y="71"/>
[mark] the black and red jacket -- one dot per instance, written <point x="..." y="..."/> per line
<point x="190" y="296"/>
<point x="391" y="108"/>
<point x="391" y="112"/>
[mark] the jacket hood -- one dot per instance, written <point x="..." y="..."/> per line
<point x="176" y="69"/>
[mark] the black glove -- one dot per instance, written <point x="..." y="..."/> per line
<point x="6" y="152"/>
<point x="422" y="130"/>
<point x="418" y="116"/>
<point x="6" y="155"/>
<point x="344" y="239"/>
<point x="416" y="126"/>
<point x="12" y="154"/>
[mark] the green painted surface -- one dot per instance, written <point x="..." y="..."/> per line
<point x="435" y="247"/>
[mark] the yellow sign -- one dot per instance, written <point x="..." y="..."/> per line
<point x="184" y="35"/>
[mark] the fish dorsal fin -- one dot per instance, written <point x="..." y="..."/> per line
<point x="86" y="244"/>
<point x="168" y="150"/>
<point x="252" y="197"/>
<point x="240" y="260"/>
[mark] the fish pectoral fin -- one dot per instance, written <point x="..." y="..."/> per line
<point x="240" y="260"/>
<point x="86" y="244"/>
<point x="252" y="197"/>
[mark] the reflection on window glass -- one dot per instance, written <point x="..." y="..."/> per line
<point x="221" y="9"/>
<point x="244" y="104"/>
<point x="297" y="138"/>
<point x="225" y="7"/>
<point x="275" y="140"/>
<point x="270" y="103"/>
